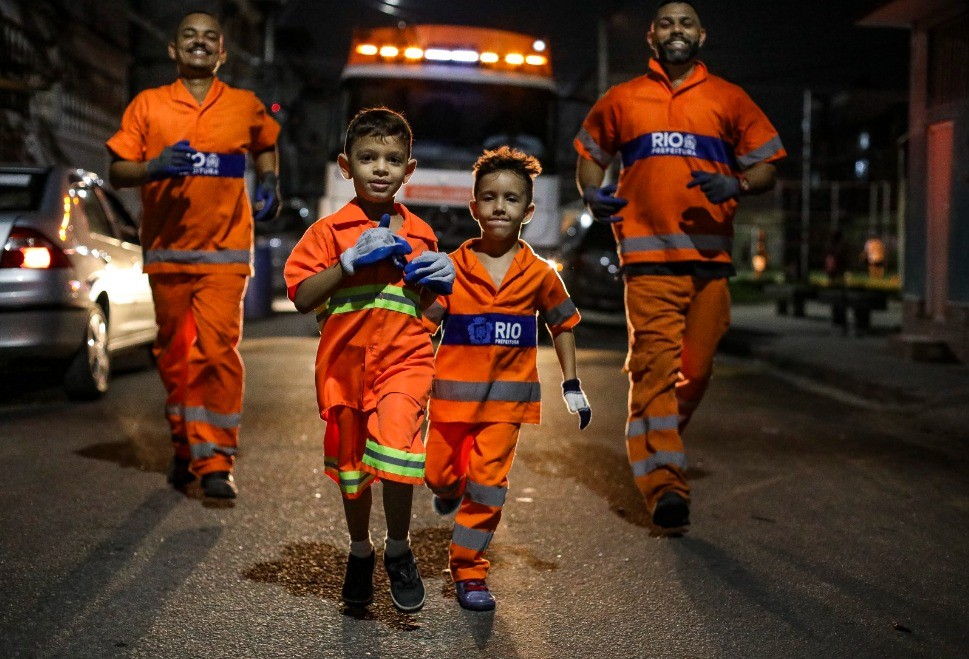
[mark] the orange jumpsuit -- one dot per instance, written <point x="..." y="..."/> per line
<point x="375" y="362"/>
<point x="196" y="235"/>
<point x="674" y="245"/>
<point x="485" y="386"/>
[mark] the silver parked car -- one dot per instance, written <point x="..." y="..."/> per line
<point x="71" y="282"/>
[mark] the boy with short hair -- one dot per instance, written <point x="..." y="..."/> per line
<point x="374" y="364"/>
<point x="485" y="372"/>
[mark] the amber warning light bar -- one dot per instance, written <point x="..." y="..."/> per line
<point x="449" y="45"/>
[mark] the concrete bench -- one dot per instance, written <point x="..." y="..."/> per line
<point x="791" y="297"/>
<point x="861" y="301"/>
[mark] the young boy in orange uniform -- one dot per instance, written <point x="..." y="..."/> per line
<point x="485" y="372"/>
<point x="374" y="364"/>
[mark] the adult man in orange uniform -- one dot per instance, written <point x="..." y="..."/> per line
<point x="691" y="144"/>
<point x="185" y="144"/>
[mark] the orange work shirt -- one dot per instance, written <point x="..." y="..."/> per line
<point x="486" y="368"/>
<point x="372" y="339"/>
<point x="662" y="134"/>
<point x="201" y="222"/>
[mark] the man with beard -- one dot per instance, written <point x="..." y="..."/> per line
<point x="185" y="145"/>
<point x="690" y="144"/>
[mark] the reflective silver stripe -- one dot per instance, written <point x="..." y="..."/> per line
<point x="658" y="459"/>
<point x="208" y="449"/>
<point x="597" y="152"/>
<point x="174" y="410"/>
<point x="212" y="418"/>
<point x="676" y="241"/>
<point x="637" y="427"/>
<point x="472" y="539"/>
<point x="761" y="153"/>
<point x="488" y="495"/>
<point x="559" y="314"/>
<point x="479" y="392"/>
<point x="435" y="313"/>
<point x="196" y="256"/>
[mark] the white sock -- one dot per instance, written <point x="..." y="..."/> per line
<point x="361" y="548"/>
<point x="394" y="548"/>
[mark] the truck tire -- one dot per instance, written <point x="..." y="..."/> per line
<point x="89" y="372"/>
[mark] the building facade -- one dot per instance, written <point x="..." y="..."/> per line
<point x="936" y="267"/>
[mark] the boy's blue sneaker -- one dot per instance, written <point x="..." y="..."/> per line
<point x="358" y="582"/>
<point x="406" y="586"/>
<point x="474" y="595"/>
<point x="444" y="506"/>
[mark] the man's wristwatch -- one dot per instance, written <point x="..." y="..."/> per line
<point x="744" y="184"/>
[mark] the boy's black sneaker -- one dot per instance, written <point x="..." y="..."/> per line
<point x="406" y="586"/>
<point x="178" y="474"/>
<point x="671" y="511"/>
<point x="219" y="485"/>
<point x="358" y="581"/>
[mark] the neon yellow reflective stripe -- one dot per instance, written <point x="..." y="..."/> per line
<point x="393" y="461"/>
<point x="353" y="481"/>
<point x="357" y="298"/>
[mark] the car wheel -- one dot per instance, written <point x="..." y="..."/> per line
<point x="87" y="376"/>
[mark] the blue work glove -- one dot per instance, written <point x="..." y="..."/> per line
<point x="717" y="187"/>
<point x="577" y="402"/>
<point x="174" y="160"/>
<point x="374" y="245"/>
<point x="433" y="270"/>
<point x="266" y="205"/>
<point x="603" y="203"/>
<point x="398" y="259"/>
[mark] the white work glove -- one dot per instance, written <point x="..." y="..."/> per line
<point x="577" y="402"/>
<point x="374" y="245"/>
<point x="433" y="270"/>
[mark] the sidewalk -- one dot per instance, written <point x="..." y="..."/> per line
<point x="860" y="368"/>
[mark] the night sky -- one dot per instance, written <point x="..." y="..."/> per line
<point x="774" y="49"/>
<point x="796" y="43"/>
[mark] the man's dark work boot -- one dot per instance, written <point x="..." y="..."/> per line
<point x="178" y="474"/>
<point x="671" y="511"/>
<point x="219" y="485"/>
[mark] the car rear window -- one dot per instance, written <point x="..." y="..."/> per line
<point x="21" y="191"/>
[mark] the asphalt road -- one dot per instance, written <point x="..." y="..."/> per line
<point x="819" y="529"/>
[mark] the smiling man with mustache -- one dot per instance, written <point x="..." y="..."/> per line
<point x="185" y="145"/>
<point x="690" y="144"/>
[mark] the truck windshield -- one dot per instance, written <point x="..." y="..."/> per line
<point x="454" y="121"/>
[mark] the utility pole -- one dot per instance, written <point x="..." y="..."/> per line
<point x="805" y="187"/>
<point x="602" y="78"/>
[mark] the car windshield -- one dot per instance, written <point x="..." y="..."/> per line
<point x="20" y="191"/>
<point x="453" y="121"/>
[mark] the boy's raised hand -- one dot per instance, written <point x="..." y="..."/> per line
<point x="577" y="402"/>
<point x="374" y="245"/>
<point x="433" y="270"/>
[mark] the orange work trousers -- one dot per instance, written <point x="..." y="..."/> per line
<point x="361" y="446"/>
<point x="674" y="324"/>
<point x="471" y="461"/>
<point x="199" y="319"/>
